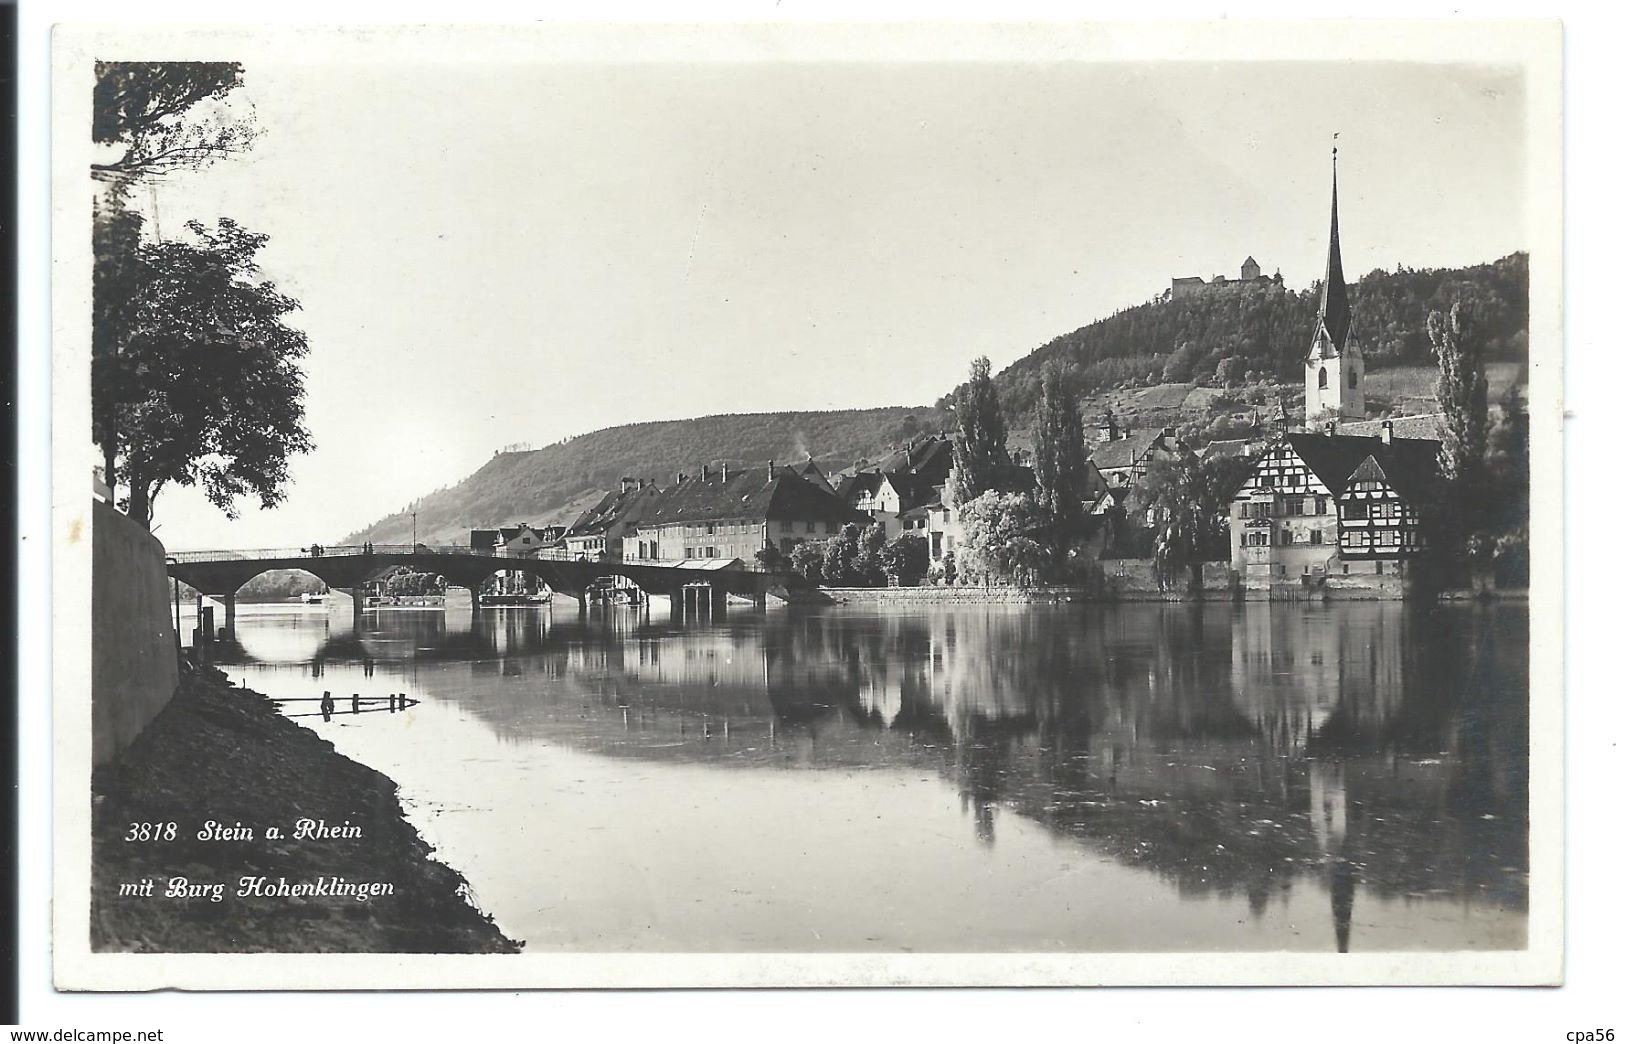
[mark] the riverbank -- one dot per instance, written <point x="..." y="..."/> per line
<point x="226" y="755"/>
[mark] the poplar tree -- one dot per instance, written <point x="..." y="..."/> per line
<point x="1060" y="459"/>
<point x="980" y="455"/>
<point x="1463" y="394"/>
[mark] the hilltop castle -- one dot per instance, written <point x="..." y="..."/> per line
<point x="1251" y="278"/>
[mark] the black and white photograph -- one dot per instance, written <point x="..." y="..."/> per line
<point x="669" y="506"/>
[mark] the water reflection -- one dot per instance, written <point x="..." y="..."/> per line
<point x="1235" y="753"/>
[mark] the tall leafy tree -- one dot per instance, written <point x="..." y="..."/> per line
<point x="148" y="120"/>
<point x="907" y="558"/>
<point x="1004" y="539"/>
<point x="152" y="118"/>
<point x="1462" y="391"/>
<point x="205" y="385"/>
<point x="1463" y="394"/>
<point x="1187" y="502"/>
<point x="980" y="454"/>
<point x="1060" y="460"/>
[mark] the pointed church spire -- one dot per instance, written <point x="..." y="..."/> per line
<point x="1335" y="315"/>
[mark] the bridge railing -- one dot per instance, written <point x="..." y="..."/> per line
<point x="548" y="554"/>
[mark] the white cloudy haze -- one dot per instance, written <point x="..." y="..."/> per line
<point x="519" y="252"/>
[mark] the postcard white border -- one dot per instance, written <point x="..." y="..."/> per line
<point x="1533" y="46"/>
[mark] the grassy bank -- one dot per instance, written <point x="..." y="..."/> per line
<point x="226" y="755"/>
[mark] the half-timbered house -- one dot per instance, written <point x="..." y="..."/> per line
<point x="1319" y="505"/>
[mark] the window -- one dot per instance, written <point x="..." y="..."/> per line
<point x="1320" y="505"/>
<point x="710" y="528"/>
<point x="1323" y="376"/>
<point x="1314" y="536"/>
<point x="1354" y="378"/>
<point x="688" y="552"/>
<point x="829" y="527"/>
<point x="1355" y="509"/>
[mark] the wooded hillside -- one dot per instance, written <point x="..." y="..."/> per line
<point x="1267" y="332"/>
<point x="555" y="482"/>
<point x="1253" y="337"/>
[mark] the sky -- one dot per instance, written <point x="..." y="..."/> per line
<point x="516" y="251"/>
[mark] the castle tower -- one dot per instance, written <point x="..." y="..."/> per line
<point x="1249" y="268"/>
<point x="1334" y="372"/>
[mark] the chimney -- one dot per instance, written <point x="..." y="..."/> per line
<point x="705" y="473"/>
<point x="724" y="471"/>
<point x="1331" y="427"/>
<point x="681" y="478"/>
<point x="626" y="484"/>
<point x="1387" y="433"/>
<point x="771" y="471"/>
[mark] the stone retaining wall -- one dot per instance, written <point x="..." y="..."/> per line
<point x="134" y="662"/>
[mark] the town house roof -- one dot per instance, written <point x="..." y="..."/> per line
<point x="1122" y="453"/>
<point x="616" y="506"/>
<point x="930" y="456"/>
<point x="749" y="494"/>
<point x="1409" y="465"/>
<point x="1424" y="426"/>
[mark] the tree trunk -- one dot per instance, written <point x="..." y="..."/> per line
<point x="140" y="510"/>
<point x="109" y="460"/>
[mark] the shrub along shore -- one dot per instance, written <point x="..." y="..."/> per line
<point x="225" y="755"/>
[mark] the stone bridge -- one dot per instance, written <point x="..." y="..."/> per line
<point x="219" y="574"/>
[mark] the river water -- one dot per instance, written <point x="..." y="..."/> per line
<point x="987" y="778"/>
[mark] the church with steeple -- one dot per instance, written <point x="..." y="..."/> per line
<point x="1334" y="510"/>
<point x="1334" y="372"/>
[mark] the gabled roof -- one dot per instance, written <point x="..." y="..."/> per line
<point x="1220" y="449"/>
<point x="914" y="489"/>
<point x="812" y="473"/>
<point x="1409" y="465"/>
<point x="1122" y="453"/>
<point x="854" y="486"/>
<point x="749" y="494"/>
<point x="482" y="538"/>
<point x="930" y="456"/>
<point x="614" y="507"/>
<point x="1425" y="426"/>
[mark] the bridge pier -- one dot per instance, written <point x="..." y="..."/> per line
<point x="358" y="603"/>
<point x="230" y="602"/>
